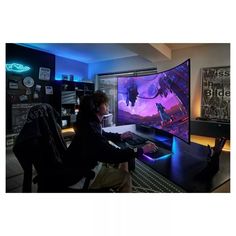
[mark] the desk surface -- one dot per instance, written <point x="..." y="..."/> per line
<point x="185" y="162"/>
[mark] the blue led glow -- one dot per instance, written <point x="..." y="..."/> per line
<point x="76" y="78"/>
<point x="160" y="138"/>
<point x="16" y="67"/>
<point x="176" y="162"/>
<point x="175" y="146"/>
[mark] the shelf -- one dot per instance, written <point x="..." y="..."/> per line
<point x="70" y="92"/>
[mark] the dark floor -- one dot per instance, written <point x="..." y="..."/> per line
<point x="14" y="173"/>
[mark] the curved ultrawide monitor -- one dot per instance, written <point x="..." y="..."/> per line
<point x="161" y="100"/>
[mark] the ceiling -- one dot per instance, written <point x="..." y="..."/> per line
<point x="97" y="52"/>
<point x="176" y="46"/>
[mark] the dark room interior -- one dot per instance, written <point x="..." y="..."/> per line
<point x="171" y="100"/>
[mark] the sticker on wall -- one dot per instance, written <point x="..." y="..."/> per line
<point x="28" y="82"/>
<point x="28" y="91"/>
<point x="13" y="77"/>
<point x="44" y="73"/>
<point x="36" y="95"/>
<point x="49" y="90"/>
<point x="13" y="85"/>
<point x="23" y="98"/>
<point x="38" y="87"/>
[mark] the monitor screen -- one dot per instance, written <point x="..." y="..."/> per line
<point x="161" y="100"/>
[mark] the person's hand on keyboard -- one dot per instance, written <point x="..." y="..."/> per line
<point x="126" y="135"/>
<point x="149" y="147"/>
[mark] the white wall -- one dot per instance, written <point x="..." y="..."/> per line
<point x="209" y="55"/>
<point x="119" y="65"/>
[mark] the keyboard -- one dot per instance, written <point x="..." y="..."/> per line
<point x="136" y="140"/>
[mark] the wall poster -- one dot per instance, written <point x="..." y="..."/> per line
<point x="44" y="73"/>
<point x="215" y="102"/>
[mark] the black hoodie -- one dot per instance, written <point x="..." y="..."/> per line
<point x="91" y="145"/>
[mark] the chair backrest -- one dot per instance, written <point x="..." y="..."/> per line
<point x="41" y="144"/>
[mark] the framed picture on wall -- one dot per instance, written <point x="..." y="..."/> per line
<point x="215" y="100"/>
<point x="44" y="73"/>
<point x="48" y="90"/>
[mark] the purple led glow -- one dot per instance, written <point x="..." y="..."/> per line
<point x="158" y="158"/>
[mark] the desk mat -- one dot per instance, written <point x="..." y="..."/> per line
<point x="147" y="180"/>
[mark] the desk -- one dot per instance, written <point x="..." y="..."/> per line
<point x="185" y="162"/>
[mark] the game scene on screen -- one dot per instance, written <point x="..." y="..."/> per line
<point x="158" y="100"/>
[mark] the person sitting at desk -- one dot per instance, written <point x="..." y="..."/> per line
<point x="90" y="148"/>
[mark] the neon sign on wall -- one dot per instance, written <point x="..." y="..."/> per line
<point x="16" y="67"/>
